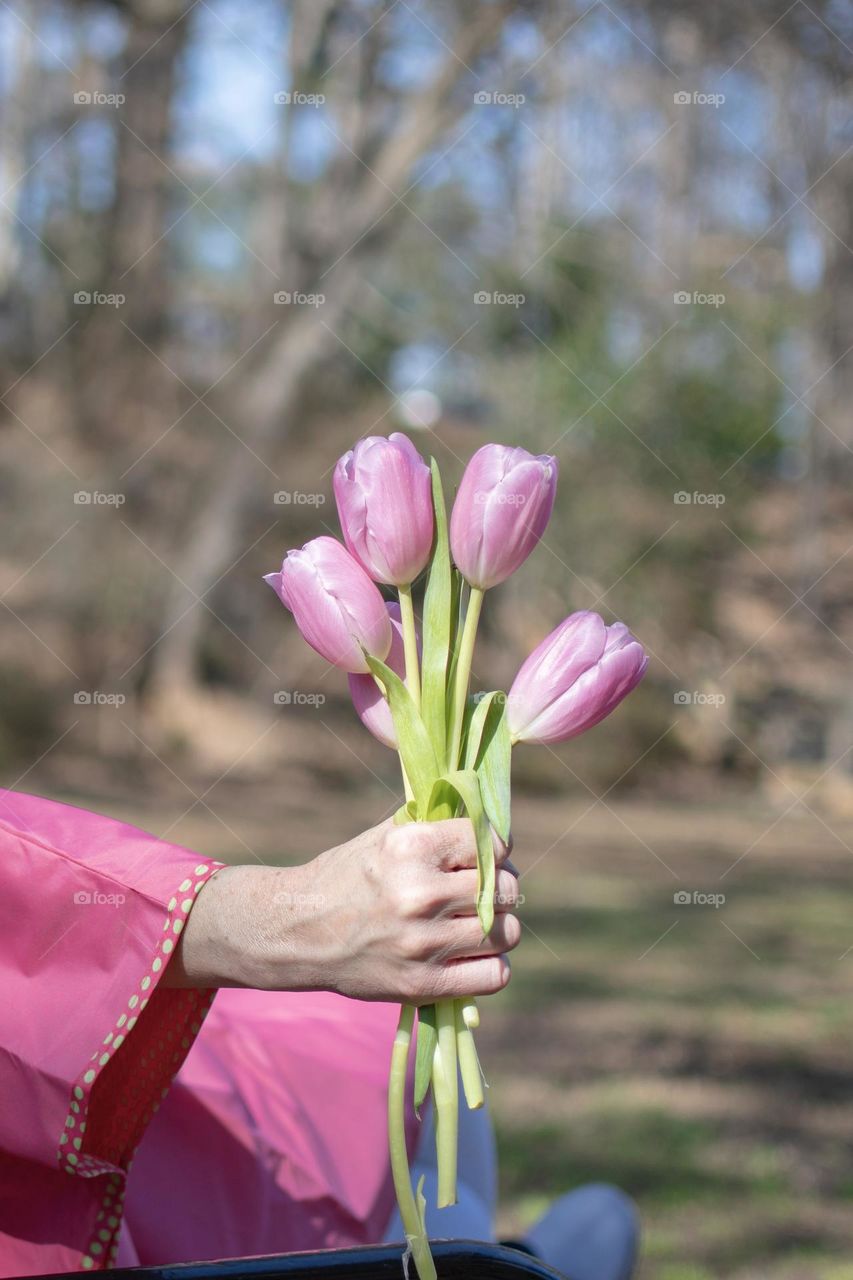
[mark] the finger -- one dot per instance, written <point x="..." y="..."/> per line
<point x="512" y="869"/>
<point x="463" y="939"/>
<point x="502" y="848"/>
<point x="480" y="977"/>
<point x="451" y="843"/>
<point x="461" y="898"/>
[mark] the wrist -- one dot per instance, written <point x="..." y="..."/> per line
<point x="236" y="934"/>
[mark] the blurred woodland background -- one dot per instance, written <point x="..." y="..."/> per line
<point x="235" y="236"/>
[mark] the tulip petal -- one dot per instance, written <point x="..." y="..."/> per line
<point x="503" y="505"/>
<point x="370" y="704"/>
<point x="383" y="492"/>
<point x="593" y="696"/>
<point x="336" y="606"/>
<point x="572" y="648"/>
<point x="575" y="678"/>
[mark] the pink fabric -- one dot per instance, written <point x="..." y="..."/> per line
<point x="273" y="1138"/>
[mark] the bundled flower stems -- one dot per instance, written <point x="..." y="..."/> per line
<point x="412" y="692"/>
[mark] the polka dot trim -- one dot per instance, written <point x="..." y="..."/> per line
<point x="144" y="1079"/>
<point x="102" y="1249"/>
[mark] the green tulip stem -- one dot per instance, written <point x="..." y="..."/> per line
<point x="410" y="643"/>
<point x="445" y="1092"/>
<point x="409" y="1212"/>
<point x="469" y="1063"/>
<point x="463" y="672"/>
<point x="470" y="1013"/>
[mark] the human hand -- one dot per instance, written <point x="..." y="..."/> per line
<point x="390" y="915"/>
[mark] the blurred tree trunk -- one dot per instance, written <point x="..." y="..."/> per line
<point x="348" y="236"/>
<point x="18" y="102"/>
<point x="125" y="391"/>
<point x="832" y="433"/>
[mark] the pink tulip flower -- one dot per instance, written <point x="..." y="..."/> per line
<point x="383" y="489"/>
<point x="576" y="676"/>
<point x="336" y="606"/>
<point x="500" y="513"/>
<point x="372" y="707"/>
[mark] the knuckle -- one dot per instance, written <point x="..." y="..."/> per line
<point x="416" y="944"/>
<point x="410" y="986"/>
<point x="445" y="981"/>
<point x="455" y="840"/>
<point x="437" y="947"/>
<point x="405" y="841"/>
<point x="409" y="899"/>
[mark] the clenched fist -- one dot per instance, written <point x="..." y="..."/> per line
<point x="390" y="915"/>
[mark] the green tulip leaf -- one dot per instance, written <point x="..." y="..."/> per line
<point x="466" y="784"/>
<point x="427" y="1040"/>
<point x="413" y="741"/>
<point x="407" y="812"/>
<point x="477" y="710"/>
<point x="488" y="749"/>
<point x="457" y="586"/>
<point x="420" y="1201"/>
<point x="437" y="625"/>
<point x="444" y="801"/>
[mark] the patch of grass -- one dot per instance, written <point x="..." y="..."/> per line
<point x="705" y="1068"/>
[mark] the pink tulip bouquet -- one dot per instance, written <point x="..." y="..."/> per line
<point x="411" y="690"/>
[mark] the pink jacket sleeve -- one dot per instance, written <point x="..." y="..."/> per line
<point x="90" y="913"/>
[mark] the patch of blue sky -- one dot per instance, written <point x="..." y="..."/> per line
<point x="225" y="107"/>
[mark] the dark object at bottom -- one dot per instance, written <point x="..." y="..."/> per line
<point x="454" y="1260"/>
<point x="520" y="1245"/>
